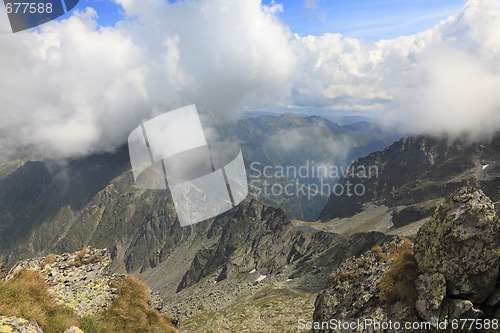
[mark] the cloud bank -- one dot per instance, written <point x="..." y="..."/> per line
<point x="75" y="88"/>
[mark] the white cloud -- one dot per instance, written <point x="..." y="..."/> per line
<point x="442" y="79"/>
<point x="76" y="87"/>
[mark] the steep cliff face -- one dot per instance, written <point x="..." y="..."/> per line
<point x="450" y="274"/>
<point x="413" y="175"/>
<point x="261" y="238"/>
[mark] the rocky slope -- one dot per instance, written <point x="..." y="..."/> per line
<point x="140" y="229"/>
<point x="80" y="281"/>
<point x="410" y="178"/>
<point x="49" y="206"/>
<point x="247" y="250"/>
<point x="450" y="274"/>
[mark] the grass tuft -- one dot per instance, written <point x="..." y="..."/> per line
<point x="379" y="253"/>
<point x="398" y="283"/>
<point x="26" y="296"/>
<point x="49" y="259"/>
<point x="132" y="312"/>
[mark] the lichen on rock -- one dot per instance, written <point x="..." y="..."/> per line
<point x="18" y="325"/>
<point x="457" y="257"/>
<point x="462" y="242"/>
<point x="81" y="281"/>
<point x="353" y="291"/>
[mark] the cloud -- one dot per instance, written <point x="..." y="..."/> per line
<point x="75" y="88"/>
<point x="443" y="79"/>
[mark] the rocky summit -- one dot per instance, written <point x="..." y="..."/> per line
<point x="449" y="274"/>
<point x="81" y="281"/>
<point x="56" y="292"/>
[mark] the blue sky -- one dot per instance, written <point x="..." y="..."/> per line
<point x="365" y="19"/>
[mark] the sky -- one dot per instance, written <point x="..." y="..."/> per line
<point x="82" y="83"/>
<point x="365" y="19"/>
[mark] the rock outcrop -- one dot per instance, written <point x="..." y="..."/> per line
<point x="458" y="253"/>
<point x="451" y="276"/>
<point x="354" y="290"/>
<point x="462" y="242"/>
<point x="81" y="280"/>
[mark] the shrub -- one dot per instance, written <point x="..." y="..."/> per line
<point x="49" y="259"/>
<point x="131" y="311"/>
<point x="379" y="253"/>
<point x="398" y="283"/>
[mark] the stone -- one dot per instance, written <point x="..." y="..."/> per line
<point x="431" y="290"/>
<point x="494" y="298"/>
<point x="460" y="309"/>
<point x="73" y="329"/>
<point x="462" y="242"/>
<point x="18" y="325"/>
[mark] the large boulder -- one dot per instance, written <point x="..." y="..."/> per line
<point x="461" y="242"/>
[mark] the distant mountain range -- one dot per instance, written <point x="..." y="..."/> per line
<point x="313" y="143"/>
<point x="253" y="257"/>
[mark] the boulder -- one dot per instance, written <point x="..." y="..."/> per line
<point x="431" y="290"/>
<point x="81" y="281"/>
<point x="461" y="241"/>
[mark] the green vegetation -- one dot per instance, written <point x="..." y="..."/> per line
<point x="26" y="296"/>
<point x="131" y="311"/>
<point x="398" y="283"/>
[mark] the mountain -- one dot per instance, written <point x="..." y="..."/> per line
<point x="404" y="183"/>
<point x="307" y="150"/>
<point x="252" y="252"/>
